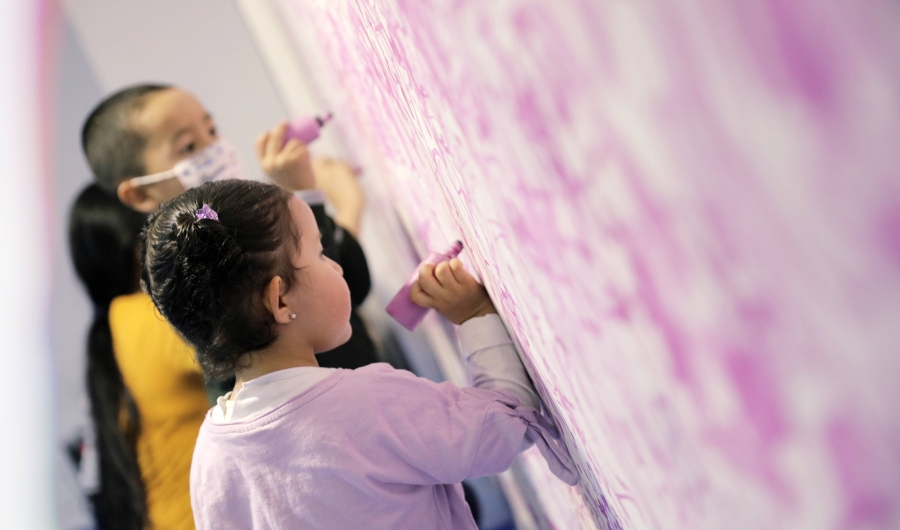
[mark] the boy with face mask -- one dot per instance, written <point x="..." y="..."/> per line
<point x="150" y="143"/>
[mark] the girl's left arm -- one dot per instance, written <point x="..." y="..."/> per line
<point x="492" y="359"/>
<point x="496" y="370"/>
<point x="438" y="433"/>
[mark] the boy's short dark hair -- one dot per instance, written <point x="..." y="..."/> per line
<point x="114" y="150"/>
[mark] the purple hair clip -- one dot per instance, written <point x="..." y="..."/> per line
<point x="207" y="213"/>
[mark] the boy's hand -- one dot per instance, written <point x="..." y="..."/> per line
<point x="454" y="293"/>
<point x="288" y="165"/>
<point x="341" y="185"/>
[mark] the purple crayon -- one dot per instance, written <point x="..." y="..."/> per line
<point x="401" y="307"/>
<point x="306" y="128"/>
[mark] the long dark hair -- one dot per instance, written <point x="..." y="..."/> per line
<point x="207" y="276"/>
<point x="103" y="240"/>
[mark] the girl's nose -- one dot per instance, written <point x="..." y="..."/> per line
<point x="336" y="266"/>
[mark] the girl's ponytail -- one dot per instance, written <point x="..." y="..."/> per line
<point x="121" y="501"/>
<point x="103" y="239"/>
<point x="206" y="274"/>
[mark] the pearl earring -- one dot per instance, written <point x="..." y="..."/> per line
<point x="293" y="316"/>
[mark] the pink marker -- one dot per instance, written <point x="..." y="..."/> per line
<point x="306" y="128"/>
<point x="401" y="307"/>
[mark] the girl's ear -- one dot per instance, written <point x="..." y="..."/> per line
<point x="274" y="302"/>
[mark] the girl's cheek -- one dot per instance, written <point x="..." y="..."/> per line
<point x="345" y="295"/>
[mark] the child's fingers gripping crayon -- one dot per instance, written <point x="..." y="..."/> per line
<point x="419" y="296"/>
<point x="402" y="307"/>
<point x="454" y="293"/>
<point x="288" y="163"/>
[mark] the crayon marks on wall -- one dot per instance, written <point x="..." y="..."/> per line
<point x="688" y="216"/>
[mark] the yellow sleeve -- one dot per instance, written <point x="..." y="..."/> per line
<point x="180" y="354"/>
<point x="144" y="331"/>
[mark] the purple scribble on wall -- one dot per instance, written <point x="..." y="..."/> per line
<point x="689" y="215"/>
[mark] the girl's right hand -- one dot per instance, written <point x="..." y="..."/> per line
<point x="450" y="290"/>
<point x="287" y="164"/>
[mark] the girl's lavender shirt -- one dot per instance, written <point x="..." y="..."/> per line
<point x="368" y="448"/>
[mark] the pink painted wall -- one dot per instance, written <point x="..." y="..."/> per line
<point x="689" y="216"/>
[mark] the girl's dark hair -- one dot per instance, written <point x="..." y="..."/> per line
<point x="103" y="239"/>
<point x="114" y="150"/>
<point x="207" y="276"/>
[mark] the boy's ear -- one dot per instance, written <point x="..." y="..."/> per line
<point x="136" y="197"/>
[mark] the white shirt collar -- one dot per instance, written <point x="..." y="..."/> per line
<point x="265" y="393"/>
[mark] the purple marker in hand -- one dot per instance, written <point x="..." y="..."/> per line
<point x="401" y="307"/>
<point x="306" y="128"/>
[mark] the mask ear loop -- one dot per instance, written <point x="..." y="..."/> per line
<point x="153" y="179"/>
<point x="170" y="174"/>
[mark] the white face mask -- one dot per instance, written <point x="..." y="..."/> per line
<point x="217" y="161"/>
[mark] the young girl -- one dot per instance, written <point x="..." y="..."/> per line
<point x="146" y="391"/>
<point x="237" y="267"/>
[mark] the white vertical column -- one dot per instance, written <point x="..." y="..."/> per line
<point x="26" y="442"/>
<point x="286" y="68"/>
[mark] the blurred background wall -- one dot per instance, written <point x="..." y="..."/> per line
<point x="27" y="455"/>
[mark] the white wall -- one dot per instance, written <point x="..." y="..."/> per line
<point x="26" y="456"/>
<point x="76" y="90"/>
